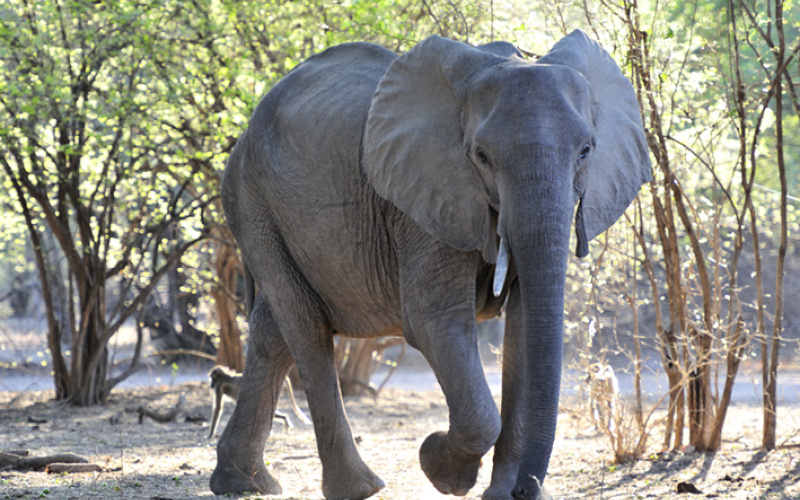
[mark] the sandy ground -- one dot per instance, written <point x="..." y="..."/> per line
<point x="174" y="460"/>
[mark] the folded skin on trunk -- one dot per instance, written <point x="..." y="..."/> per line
<point x="537" y="233"/>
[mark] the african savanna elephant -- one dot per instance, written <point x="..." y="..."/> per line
<point x="374" y="195"/>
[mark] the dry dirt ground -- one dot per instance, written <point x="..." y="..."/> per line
<point x="174" y="460"/>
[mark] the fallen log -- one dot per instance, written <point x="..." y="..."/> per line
<point x="26" y="463"/>
<point x="162" y="418"/>
<point x="60" y="467"/>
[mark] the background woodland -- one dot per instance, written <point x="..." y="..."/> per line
<point x="116" y="119"/>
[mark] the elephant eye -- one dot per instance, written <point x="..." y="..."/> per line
<point x="585" y="151"/>
<point x="481" y="154"/>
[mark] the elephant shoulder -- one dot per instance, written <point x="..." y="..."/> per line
<point x="353" y="54"/>
<point x="339" y="78"/>
<point x="316" y="112"/>
<point x="353" y="63"/>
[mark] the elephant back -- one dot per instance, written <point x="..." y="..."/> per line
<point x="317" y="112"/>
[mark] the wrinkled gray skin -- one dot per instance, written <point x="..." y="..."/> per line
<point x="370" y="195"/>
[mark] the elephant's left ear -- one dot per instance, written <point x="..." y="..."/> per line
<point x="413" y="146"/>
<point x="620" y="162"/>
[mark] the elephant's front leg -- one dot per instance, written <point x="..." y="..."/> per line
<point x="240" y="452"/>
<point x="439" y="320"/>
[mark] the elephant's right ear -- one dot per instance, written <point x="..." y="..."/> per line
<point x="620" y="162"/>
<point x="413" y="148"/>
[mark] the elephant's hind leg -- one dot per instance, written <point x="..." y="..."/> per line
<point x="303" y="323"/>
<point x="240" y="452"/>
<point x="344" y="473"/>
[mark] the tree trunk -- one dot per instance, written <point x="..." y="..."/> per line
<point x="89" y="353"/>
<point x="771" y="364"/>
<point x="228" y="268"/>
<point x="357" y="360"/>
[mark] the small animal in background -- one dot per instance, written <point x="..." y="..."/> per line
<point x="226" y="382"/>
<point x="603" y="395"/>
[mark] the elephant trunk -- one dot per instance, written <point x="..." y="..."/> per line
<point x="537" y="230"/>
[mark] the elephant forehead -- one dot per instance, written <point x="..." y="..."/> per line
<point x="530" y="103"/>
<point x="520" y="83"/>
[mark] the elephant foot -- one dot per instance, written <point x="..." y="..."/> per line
<point x="504" y="478"/>
<point x="229" y="479"/>
<point x="540" y="494"/>
<point x="493" y="493"/>
<point x="451" y="471"/>
<point x="352" y="483"/>
<point x="498" y="492"/>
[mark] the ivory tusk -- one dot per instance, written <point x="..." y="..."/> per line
<point x="501" y="268"/>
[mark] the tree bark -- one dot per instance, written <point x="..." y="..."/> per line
<point x="228" y="268"/>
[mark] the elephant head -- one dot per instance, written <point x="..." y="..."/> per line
<point x="486" y="151"/>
